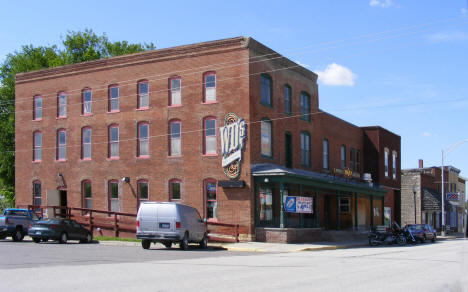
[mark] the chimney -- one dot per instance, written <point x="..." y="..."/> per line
<point x="420" y="163"/>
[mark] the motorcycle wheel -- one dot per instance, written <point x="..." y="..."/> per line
<point x="373" y="242"/>
<point x="401" y="240"/>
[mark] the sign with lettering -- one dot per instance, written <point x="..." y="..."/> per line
<point x="232" y="136"/>
<point x="295" y="204"/>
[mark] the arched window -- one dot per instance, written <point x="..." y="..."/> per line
<point x="210" y="196"/>
<point x="209" y="87"/>
<point x="175" y="92"/>
<point x="37" y="146"/>
<point x="325" y="159"/>
<point x="266" y="143"/>
<point x="386" y="153"/>
<point x="61" y="105"/>
<point x="86" y="143"/>
<point x="266" y="88"/>
<point x="287" y="99"/>
<point x="113" y="141"/>
<point x="113" y="97"/>
<point x="143" y="192"/>
<point x="143" y="100"/>
<point x="113" y="195"/>
<point x="37" y="196"/>
<point x="175" y="138"/>
<point x="86" y="101"/>
<point x="305" y="106"/>
<point x="358" y="160"/>
<point x="37" y="104"/>
<point x="175" y="189"/>
<point x="351" y="159"/>
<point x="343" y="156"/>
<point x="143" y="139"/>
<point x="61" y="145"/>
<point x="394" y="167"/>
<point x="209" y="136"/>
<point x="86" y="194"/>
<point x="305" y="149"/>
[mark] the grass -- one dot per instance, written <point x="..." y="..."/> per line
<point x="110" y="238"/>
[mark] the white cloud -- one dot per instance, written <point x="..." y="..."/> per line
<point x="336" y="75"/>
<point x="428" y="134"/>
<point x="441" y="37"/>
<point x="381" y="3"/>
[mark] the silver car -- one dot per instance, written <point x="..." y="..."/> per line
<point x="168" y="223"/>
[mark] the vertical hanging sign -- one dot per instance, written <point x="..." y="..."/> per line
<point x="232" y="142"/>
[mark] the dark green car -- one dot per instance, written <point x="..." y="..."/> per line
<point x="59" y="229"/>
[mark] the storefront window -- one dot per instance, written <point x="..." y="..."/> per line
<point x="344" y="205"/>
<point x="266" y="205"/>
<point x="211" y="203"/>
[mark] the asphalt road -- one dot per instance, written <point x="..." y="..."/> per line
<point x="442" y="266"/>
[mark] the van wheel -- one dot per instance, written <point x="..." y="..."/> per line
<point x="36" y="239"/>
<point x="18" y="235"/>
<point x="204" y="242"/>
<point x="168" y="244"/>
<point x="145" y="243"/>
<point x="184" y="243"/>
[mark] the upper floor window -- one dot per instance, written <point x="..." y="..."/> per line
<point x="62" y="105"/>
<point x="305" y="106"/>
<point x="394" y="168"/>
<point x="86" y="101"/>
<point x="37" y="197"/>
<point x="61" y="145"/>
<point x="174" y="189"/>
<point x="175" y="96"/>
<point x="325" y="153"/>
<point x="86" y="143"/>
<point x="86" y="193"/>
<point x="287" y="99"/>
<point x="265" y="140"/>
<point x="37" y="112"/>
<point x="209" y="87"/>
<point x="358" y="160"/>
<point x="113" y="98"/>
<point x="351" y="159"/>
<point x="343" y="156"/>
<point x="386" y="153"/>
<point x="113" y="141"/>
<point x="266" y="90"/>
<point x="37" y="146"/>
<point x="113" y="196"/>
<point x="143" y="101"/>
<point x="142" y="191"/>
<point x="305" y="149"/>
<point x="143" y="149"/>
<point x="174" y="138"/>
<point x="209" y="136"/>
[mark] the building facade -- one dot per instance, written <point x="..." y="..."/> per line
<point x="230" y="127"/>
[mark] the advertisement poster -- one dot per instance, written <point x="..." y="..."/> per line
<point x="295" y="204"/>
<point x="387" y="216"/>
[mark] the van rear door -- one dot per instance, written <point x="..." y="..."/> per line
<point x="147" y="217"/>
<point x="167" y="217"/>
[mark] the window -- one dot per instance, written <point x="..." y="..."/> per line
<point x="143" y="149"/>
<point x="86" y="192"/>
<point x="61" y="145"/>
<point x="142" y="191"/>
<point x="344" y="205"/>
<point x="37" y="197"/>
<point x="265" y="90"/>
<point x="113" y="98"/>
<point x="343" y="156"/>
<point x="386" y="152"/>
<point x="210" y="199"/>
<point x="143" y="101"/>
<point x="351" y="159"/>
<point x="62" y="105"/>
<point x="358" y="161"/>
<point x="37" y="104"/>
<point x="305" y="106"/>
<point x="266" y="138"/>
<point x="174" y="138"/>
<point x="113" y="141"/>
<point x="174" y="189"/>
<point x="86" y="143"/>
<point x="113" y="189"/>
<point x="209" y="87"/>
<point x="305" y="149"/>
<point x="209" y="136"/>
<point x="325" y="153"/>
<point x="394" y="156"/>
<point x="175" y="91"/>
<point x="37" y="148"/>
<point x="86" y="101"/>
<point x="287" y="99"/>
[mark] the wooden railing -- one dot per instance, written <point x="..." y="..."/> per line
<point x="222" y="232"/>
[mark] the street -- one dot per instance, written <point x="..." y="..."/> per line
<point x="442" y="266"/>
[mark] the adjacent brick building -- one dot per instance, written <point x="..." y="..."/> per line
<point x="230" y="127"/>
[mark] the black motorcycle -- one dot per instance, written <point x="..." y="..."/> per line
<point x="396" y="235"/>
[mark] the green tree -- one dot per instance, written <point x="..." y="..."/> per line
<point x="77" y="47"/>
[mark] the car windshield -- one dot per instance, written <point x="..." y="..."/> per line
<point x="34" y="216"/>
<point x="50" y="221"/>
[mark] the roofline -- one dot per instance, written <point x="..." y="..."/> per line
<point x="379" y="128"/>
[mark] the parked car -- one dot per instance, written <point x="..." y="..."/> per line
<point x="168" y="223"/>
<point x="14" y="222"/>
<point x="421" y="232"/>
<point x="59" y="229"/>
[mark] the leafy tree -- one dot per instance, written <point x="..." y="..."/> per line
<point x="78" y="47"/>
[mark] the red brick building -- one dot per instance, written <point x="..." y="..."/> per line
<point x="229" y="127"/>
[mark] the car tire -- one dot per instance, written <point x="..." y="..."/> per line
<point x="184" y="244"/>
<point x="63" y="238"/>
<point x="3" y="236"/>
<point x="36" y="239"/>
<point x="168" y="244"/>
<point x="204" y="242"/>
<point x="433" y="238"/>
<point x="18" y="235"/>
<point x="45" y="239"/>
<point x="87" y="239"/>
<point x="423" y="240"/>
<point x="145" y="243"/>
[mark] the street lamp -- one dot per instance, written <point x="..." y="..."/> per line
<point x="414" y="193"/>
<point x="442" y="183"/>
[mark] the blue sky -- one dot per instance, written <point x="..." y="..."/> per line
<point x="398" y="64"/>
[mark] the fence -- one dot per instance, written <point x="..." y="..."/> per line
<point x="126" y="222"/>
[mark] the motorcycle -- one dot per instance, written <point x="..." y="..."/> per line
<point x="396" y="235"/>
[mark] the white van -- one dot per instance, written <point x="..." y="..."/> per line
<point x="168" y="223"/>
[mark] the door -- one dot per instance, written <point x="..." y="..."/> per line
<point x="63" y="202"/>
<point x="288" y="150"/>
